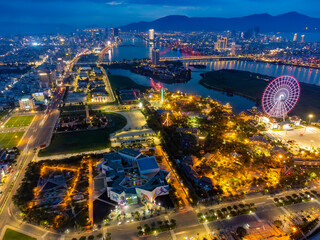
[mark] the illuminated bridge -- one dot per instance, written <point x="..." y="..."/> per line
<point x="186" y="58"/>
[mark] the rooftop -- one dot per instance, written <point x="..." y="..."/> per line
<point x="130" y="152"/>
<point x="148" y="163"/>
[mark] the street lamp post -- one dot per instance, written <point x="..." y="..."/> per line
<point x="310" y="116"/>
<point x="305" y="129"/>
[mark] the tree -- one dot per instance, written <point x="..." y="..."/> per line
<point x="153" y="225"/>
<point x="241" y="231"/>
<point x="99" y="236"/>
<point x="91" y="237"/>
<point x="83" y="238"/>
<point x="277" y="223"/>
<point x="108" y="236"/>
<point x="173" y="223"/>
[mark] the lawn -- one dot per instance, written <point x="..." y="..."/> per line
<point x="14" y="235"/>
<point x="19" y="121"/>
<point x="82" y="141"/>
<point x="118" y="81"/>
<point x="11" y="139"/>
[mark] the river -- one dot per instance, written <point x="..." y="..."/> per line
<point x="136" y="48"/>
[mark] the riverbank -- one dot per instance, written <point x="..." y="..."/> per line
<point x="169" y="72"/>
<point x="251" y="85"/>
<point x="278" y="63"/>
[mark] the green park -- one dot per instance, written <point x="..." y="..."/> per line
<point x="84" y="140"/>
<point x="118" y="81"/>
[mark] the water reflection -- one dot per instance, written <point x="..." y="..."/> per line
<point x="133" y="48"/>
<point x="302" y="74"/>
<point x="192" y="87"/>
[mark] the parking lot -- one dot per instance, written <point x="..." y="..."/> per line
<point x="307" y="138"/>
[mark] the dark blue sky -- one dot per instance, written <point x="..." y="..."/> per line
<point x="118" y="12"/>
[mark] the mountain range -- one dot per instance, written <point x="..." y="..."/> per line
<point x="288" y="22"/>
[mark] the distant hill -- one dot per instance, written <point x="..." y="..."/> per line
<point x="288" y="22"/>
<point x="8" y="28"/>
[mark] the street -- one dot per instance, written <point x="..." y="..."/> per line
<point x="38" y="133"/>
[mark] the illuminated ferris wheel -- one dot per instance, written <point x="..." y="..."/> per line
<point x="280" y="96"/>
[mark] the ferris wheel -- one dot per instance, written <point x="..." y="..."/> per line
<point x="280" y="96"/>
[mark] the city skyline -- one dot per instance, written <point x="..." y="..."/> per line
<point x="116" y="12"/>
<point x="136" y="119"/>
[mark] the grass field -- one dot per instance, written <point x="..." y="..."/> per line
<point x="19" y="121"/>
<point x="118" y="81"/>
<point x="9" y="140"/>
<point x="14" y="235"/>
<point x="81" y="141"/>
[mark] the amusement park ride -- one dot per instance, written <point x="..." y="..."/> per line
<point x="280" y="96"/>
<point x="158" y="87"/>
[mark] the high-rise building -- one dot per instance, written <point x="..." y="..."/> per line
<point x="221" y="44"/>
<point x="44" y="80"/>
<point x="235" y="48"/>
<point x="151" y="34"/>
<point x="302" y="38"/>
<point x="60" y="65"/>
<point x="115" y="32"/>
<point x="47" y="79"/>
<point x="155" y="56"/>
<point x="295" y="37"/>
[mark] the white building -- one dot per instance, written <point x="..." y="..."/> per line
<point x="132" y="176"/>
<point x="151" y="34"/>
<point x="26" y="104"/>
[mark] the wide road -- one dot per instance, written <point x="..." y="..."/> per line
<point x="39" y="133"/>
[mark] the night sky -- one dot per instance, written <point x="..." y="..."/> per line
<point x="82" y="13"/>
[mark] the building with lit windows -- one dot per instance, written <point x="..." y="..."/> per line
<point x="47" y="78"/>
<point x="132" y="177"/>
<point x="26" y="104"/>
<point x="221" y="44"/>
<point x="151" y="34"/>
<point x="155" y="57"/>
<point x="295" y="37"/>
<point x="99" y="97"/>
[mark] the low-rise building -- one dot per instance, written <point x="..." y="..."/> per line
<point x="99" y="97"/>
<point x="132" y="177"/>
<point x="26" y="104"/>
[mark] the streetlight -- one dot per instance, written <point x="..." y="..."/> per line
<point x="305" y="129"/>
<point x="310" y="116"/>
